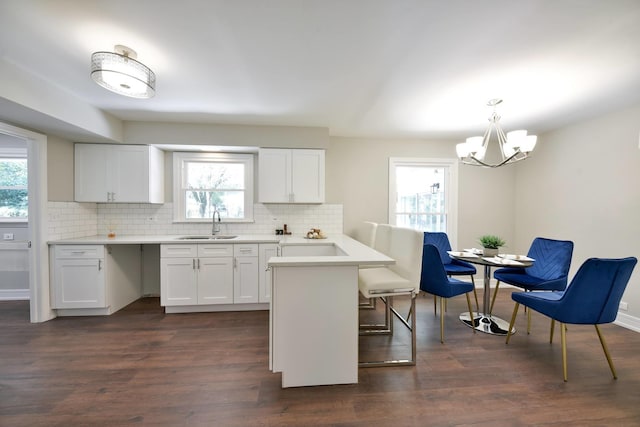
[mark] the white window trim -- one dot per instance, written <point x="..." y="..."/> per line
<point x="15" y="153"/>
<point x="451" y="186"/>
<point x="179" y="158"/>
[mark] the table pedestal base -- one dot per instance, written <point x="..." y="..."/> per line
<point x="488" y="324"/>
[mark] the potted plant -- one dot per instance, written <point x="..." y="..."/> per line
<point x="490" y="244"/>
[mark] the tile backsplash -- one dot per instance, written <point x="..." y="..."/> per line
<point x="71" y="220"/>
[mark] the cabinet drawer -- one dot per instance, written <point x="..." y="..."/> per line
<point x="215" y="250"/>
<point x="79" y="251"/>
<point x="249" y="249"/>
<point x="178" y="251"/>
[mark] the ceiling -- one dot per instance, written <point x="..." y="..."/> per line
<point x="375" y="68"/>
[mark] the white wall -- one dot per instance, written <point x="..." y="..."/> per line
<point x="583" y="184"/>
<point x="358" y="178"/>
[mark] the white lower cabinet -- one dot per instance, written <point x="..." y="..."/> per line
<point x="215" y="280"/>
<point x="195" y="274"/>
<point x="79" y="280"/>
<point x="267" y="250"/>
<point x="94" y="279"/>
<point x="210" y="274"/>
<point x="245" y="274"/>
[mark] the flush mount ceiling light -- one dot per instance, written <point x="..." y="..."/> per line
<point x="514" y="146"/>
<point x="119" y="72"/>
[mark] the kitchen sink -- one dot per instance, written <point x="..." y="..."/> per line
<point x="211" y="237"/>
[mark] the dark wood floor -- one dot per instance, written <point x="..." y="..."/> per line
<point x="142" y="367"/>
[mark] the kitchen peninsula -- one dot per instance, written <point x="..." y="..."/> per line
<point x="314" y="309"/>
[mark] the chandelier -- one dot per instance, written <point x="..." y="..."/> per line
<point x="119" y="72"/>
<point x="514" y="146"/>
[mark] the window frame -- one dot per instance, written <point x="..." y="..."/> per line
<point x="16" y="153"/>
<point x="179" y="160"/>
<point x="450" y="167"/>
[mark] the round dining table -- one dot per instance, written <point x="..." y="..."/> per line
<point x="484" y="321"/>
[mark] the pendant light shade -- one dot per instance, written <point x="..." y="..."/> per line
<point x="119" y="72"/>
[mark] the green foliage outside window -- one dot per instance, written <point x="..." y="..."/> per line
<point x="14" y="200"/>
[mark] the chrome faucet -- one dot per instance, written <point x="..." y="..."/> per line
<point x="215" y="227"/>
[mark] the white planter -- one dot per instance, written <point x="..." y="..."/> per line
<point x="489" y="252"/>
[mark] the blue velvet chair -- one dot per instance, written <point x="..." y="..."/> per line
<point x="453" y="267"/>
<point x="549" y="272"/>
<point x="434" y="280"/>
<point x="592" y="298"/>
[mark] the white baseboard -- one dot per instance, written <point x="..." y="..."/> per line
<point x="628" y="322"/>
<point x="14" y="294"/>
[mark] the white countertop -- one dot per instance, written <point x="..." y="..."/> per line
<point x="355" y="252"/>
<point x="163" y="239"/>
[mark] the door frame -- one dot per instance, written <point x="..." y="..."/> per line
<point x="39" y="301"/>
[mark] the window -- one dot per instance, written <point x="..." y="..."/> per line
<point x="206" y="182"/>
<point x="422" y="194"/>
<point x="14" y="200"/>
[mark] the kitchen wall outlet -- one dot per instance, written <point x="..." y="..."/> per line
<point x="7" y="236"/>
<point x="623" y="306"/>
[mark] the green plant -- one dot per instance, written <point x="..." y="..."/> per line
<point x="491" y="242"/>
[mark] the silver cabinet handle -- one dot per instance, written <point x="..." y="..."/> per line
<point x="194" y="263"/>
<point x="99" y="264"/>
<point x="198" y="263"/>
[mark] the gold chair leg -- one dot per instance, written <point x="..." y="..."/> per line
<point x="435" y="305"/>
<point x="475" y="294"/>
<point x="553" y="323"/>
<point x="528" y="322"/>
<point x="470" y="312"/>
<point x="606" y="352"/>
<point x="493" y="299"/>
<point x="563" y="338"/>
<point x="513" y="320"/>
<point x="442" y="304"/>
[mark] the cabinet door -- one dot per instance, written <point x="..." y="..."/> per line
<point x="274" y="171"/>
<point x="91" y="170"/>
<point x="129" y="173"/>
<point x="246" y="280"/>
<point x="79" y="283"/>
<point x="178" y="281"/>
<point x="215" y="280"/>
<point x="307" y="176"/>
<point x="267" y="250"/>
<point x="118" y="173"/>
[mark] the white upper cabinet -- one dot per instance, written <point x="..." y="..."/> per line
<point x="291" y="175"/>
<point x="119" y="173"/>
